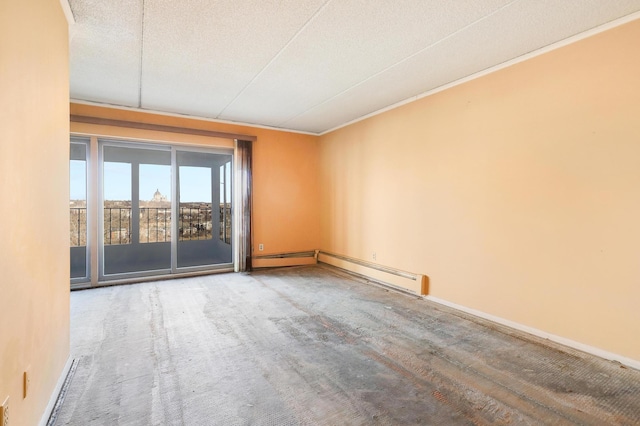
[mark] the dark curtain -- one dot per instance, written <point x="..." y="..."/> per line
<point x="245" y="156"/>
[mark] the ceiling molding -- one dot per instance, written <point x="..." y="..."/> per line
<point x="570" y="40"/>
<point x="68" y="13"/>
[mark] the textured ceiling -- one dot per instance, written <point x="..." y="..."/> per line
<point x="305" y="65"/>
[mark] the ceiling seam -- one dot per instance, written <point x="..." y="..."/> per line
<point x="141" y="58"/>
<point x="188" y="116"/>
<point x="276" y="56"/>
<point x="361" y="82"/>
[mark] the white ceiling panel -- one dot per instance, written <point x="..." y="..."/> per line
<point x="348" y="42"/>
<point x="308" y="65"/>
<point x="199" y="54"/>
<point x="104" y="48"/>
<point x="511" y="32"/>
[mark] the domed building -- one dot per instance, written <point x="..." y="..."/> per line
<point x="157" y="196"/>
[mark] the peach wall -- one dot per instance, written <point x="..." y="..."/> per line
<point x="286" y="209"/>
<point x="34" y="215"/>
<point x="517" y="193"/>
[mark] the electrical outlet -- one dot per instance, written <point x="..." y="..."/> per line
<point x="260" y="247"/>
<point x="26" y="382"/>
<point x="374" y="255"/>
<point x="4" y="413"/>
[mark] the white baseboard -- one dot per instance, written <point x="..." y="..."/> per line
<point x="539" y="333"/>
<point x="56" y="391"/>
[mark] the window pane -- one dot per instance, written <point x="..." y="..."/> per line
<point x="117" y="203"/>
<point x="78" y="210"/>
<point x="155" y="203"/>
<point x="225" y="202"/>
<point x="78" y="202"/>
<point x="195" y="203"/>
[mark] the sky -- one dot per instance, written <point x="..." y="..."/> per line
<point x="77" y="175"/>
<point x="195" y="182"/>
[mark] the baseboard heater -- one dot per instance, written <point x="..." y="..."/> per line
<point x="285" y="259"/>
<point x="408" y="281"/>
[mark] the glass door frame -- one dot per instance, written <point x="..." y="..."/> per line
<point x="173" y="149"/>
<point x="86" y="141"/>
<point x="176" y="212"/>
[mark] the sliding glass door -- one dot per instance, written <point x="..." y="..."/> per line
<point x="136" y="210"/>
<point x="204" y="220"/>
<point x="78" y="210"/>
<point x="163" y="210"/>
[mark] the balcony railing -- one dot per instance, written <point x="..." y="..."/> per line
<point x="194" y="223"/>
<point x="78" y="226"/>
<point x="225" y="223"/>
<point x="155" y="224"/>
<point x="117" y="225"/>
